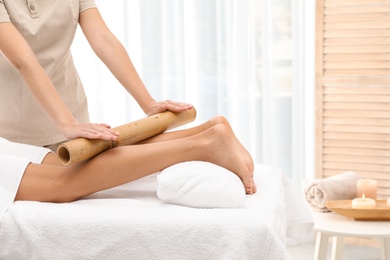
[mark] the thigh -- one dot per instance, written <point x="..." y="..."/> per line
<point x="40" y="182"/>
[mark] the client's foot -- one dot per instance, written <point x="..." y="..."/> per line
<point x="245" y="155"/>
<point x="227" y="152"/>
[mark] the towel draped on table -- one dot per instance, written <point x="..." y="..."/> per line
<point x="337" y="187"/>
<point x="130" y="221"/>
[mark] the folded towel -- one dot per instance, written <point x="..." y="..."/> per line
<point x="200" y="184"/>
<point x="337" y="187"/>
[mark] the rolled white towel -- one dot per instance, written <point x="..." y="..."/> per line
<point x="337" y="187"/>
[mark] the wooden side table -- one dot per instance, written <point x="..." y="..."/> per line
<point x="332" y="225"/>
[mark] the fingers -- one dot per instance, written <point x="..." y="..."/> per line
<point x="177" y="106"/>
<point x="99" y="131"/>
<point x="169" y="105"/>
<point x="105" y="125"/>
<point x="90" y="131"/>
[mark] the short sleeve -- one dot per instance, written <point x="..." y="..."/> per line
<point x="4" y="17"/>
<point x="85" y="4"/>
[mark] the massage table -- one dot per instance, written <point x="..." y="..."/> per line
<point x="131" y="222"/>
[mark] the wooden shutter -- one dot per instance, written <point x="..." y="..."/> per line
<point x="353" y="89"/>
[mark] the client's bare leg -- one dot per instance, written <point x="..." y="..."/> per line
<point x="167" y="136"/>
<point x="247" y="158"/>
<point x="47" y="182"/>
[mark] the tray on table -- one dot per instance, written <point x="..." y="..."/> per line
<point x="344" y="207"/>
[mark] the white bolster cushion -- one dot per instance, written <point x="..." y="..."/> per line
<point x="200" y="185"/>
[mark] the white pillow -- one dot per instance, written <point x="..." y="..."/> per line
<point x="200" y="185"/>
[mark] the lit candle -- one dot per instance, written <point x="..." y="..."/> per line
<point x="363" y="203"/>
<point x="388" y="202"/>
<point x="367" y="187"/>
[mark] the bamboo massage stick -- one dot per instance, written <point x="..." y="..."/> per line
<point x="81" y="149"/>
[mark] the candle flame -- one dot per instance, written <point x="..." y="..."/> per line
<point x="363" y="197"/>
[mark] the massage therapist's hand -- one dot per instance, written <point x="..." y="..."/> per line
<point x="167" y="105"/>
<point x="89" y="131"/>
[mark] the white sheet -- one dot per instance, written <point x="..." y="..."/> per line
<point x="130" y="222"/>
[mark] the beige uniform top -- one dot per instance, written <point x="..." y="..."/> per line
<point x="49" y="27"/>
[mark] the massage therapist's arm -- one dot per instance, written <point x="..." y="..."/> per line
<point x="17" y="51"/>
<point x="108" y="48"/>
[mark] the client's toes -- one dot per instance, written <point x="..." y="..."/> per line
<point x="248" y="185"/>
<point x="254" y="188"/>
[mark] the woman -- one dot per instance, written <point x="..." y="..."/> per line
<point x="42" y="101"/>
<point x="49" y="181"/>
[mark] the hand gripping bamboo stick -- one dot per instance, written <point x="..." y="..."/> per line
<point x="81" y="149"/>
